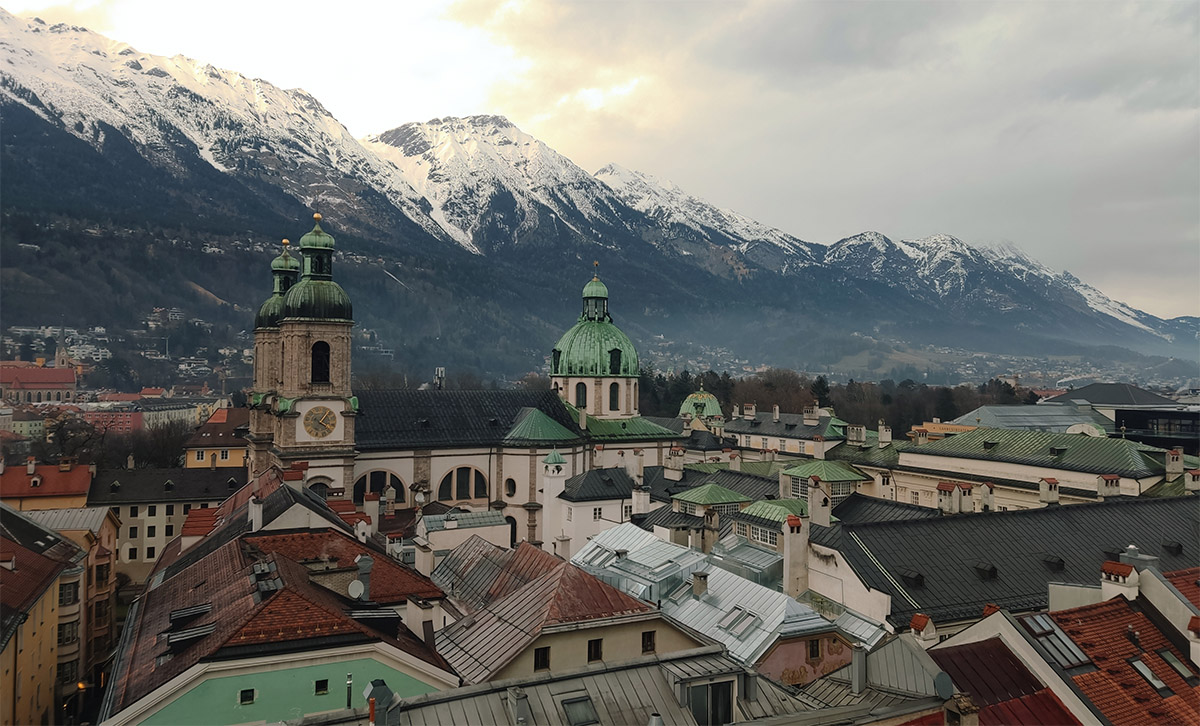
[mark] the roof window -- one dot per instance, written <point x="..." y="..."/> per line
<point x="1173" y="547"/>
<point x="1154" y="681"/>
<point x="985" y="570"/>
<point x="988" y="445"/>
<point x="1178" y="666"/>
<point x="580" y="711"/>
<point x="1053" y="562"/>
<point x="1061" y="649"/>
<point x="911" y="577"/>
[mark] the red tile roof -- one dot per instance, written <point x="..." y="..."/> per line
<point x="16" y="483"/>
<point x="945" y="486"/>
<point x="990" y="608"/>
<point x="919" y="621"/>
<point x="23" y="585"/>
<point x="223" y="428"/>
<point x="391" y="582"/>
<point x="35" y="377"/>
<point x="1116" y="689"/>
<point x="1007" y="693"/>
<point x="1120" y="569"/>
<point x="1049" y="480"/>
<point x="1110" y="477"/>
<point x="1194" y="624"/>
<point x="1187" y="582"/>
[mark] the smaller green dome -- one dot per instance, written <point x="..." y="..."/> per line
<point x="285" y="262"/>
<point x="317" y="239"/>
<point x="269" y="313"/>
<point x="554" y="458"/>
<point x="322" y="299"/>
<point x="701" y="404"/>
<point x="595" y="288"/>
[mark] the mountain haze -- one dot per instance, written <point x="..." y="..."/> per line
<point x="489" y="232"/>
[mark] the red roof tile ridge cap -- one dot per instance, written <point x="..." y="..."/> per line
<point x="1121" y="569"/>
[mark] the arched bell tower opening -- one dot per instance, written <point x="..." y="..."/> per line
<point x="320" y="362"/>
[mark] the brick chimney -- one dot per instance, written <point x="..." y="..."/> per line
<point x="811" y="415"/>
<point x="749" y="411"/>
<point x="699" y="584"/>
<point x="920" y="437"/>
<point x="1108" y="485"/>
<point x="1174" y="463"/>
<point x="256" y="514"/>
<point x="775" y="413"/>
<point x="673" y="469"/>
<point x="795" y="555"/>
<point x="641" y="499"/>
<point x="735" y="461"/>
<point x="856" y="434"/>
<point x="987" y="499"/>
<point x="819" y="507"/>
<point x="885" y="434"/>
<point x="1192" y="481"/>
<point x="1048" y="491"/>
<point x="1118" y="578"/>
<point x="31" y="466"/>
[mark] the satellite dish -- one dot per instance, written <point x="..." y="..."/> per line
<point x="356" y="589"/>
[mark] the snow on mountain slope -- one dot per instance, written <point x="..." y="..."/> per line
<point x="466" y="167"/>
<point x="667" y="204"/>
<point x="84" y="82"/>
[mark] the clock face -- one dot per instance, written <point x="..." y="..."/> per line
<point x="319" y="422"/>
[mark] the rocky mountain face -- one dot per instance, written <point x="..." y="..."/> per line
<point x="95" y="130"/>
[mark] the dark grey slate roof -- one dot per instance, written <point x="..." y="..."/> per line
<point x="674" y="424"/>
<point x="940" y="567"/>
<point x="789" y="426"/>
<point x="664" y="516"/>
<point x="1112" y="394"/>
<point x="150" y="485"/>
<point x="704" y="441"/>
<point x="858" y="508"/>
<point x="754" y="487"/>
<point x="435" y="419"/>
<point x="599" y="485"/>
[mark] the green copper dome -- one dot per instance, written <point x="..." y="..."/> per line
<point x="317" y="296"/>
<point x="595" y="288"/>
<point x="269" y="312"/>
<point x="285" y="270"/>
<point x="701" y="404"/>
<point x="594" y="346"/>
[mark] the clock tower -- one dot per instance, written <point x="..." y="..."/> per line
<point x="310" y="404"/>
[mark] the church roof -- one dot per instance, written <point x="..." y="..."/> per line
<point x="532" y="427"/>
<point x="700" y="404"/>
<point x="586" y="350"/>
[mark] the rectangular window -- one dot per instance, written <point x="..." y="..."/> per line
<point x="745" y="440"/>
<point x="597" y="514"/>
<point x="150" y="553"/>
<point x="67" y="671"/>
<point x="541" y="659"/>
<point x="763" y="441"/>
<point x="568" y="514"/>
<point x="687" y="508"/>
<point x="814" y="649"/>
<point x="648" y="641"/>
<point x="712" y="703"/>
<point x="595" y="650"/>
<point x="321" y="687"/>
<point x="199" y="454"/>
<point x="101" y="575"/>
<point x="68" y="633"/>
<point x="151" y="510"/>
<point x="800" y="488"/>
<point x="132" y="554"/>
<point x="916" y="497"/>
<point x="150" y="530"/>
<point x="68" y="593"/>
<point x="626" y="512"/>
<point x="100" y="611"/>
<point x="246" y="697"/>
<point x="204" y="505"/>
<point x="133" y="512"/>
<point x="187" y="508"/>
<point x="170" y="530"/>
<point x="580" y="711"/>
<point x="170" y="510"/>
<point x="133" y="533"/>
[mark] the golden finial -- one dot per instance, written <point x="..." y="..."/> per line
<point x="317" y="217"/>
<point x="285" y="242"/>
<point x="596" y="273"/>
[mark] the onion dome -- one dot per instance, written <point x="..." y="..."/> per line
<point x="701" y="404"/>
<point x="594" y="346"/>
<point x="285" y="269"/>
<point x="317" y="296"/>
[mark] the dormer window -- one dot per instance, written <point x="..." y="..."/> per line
<point x="35" y="481"/>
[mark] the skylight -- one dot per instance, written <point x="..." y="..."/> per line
<point x="1145" y="672"/>
<point x="580" y="711"/>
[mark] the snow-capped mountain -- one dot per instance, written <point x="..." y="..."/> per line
<point x="173" y="110"/>
<point x="674" y="209"/>
<point x="96" y="130"/>
<point x="491" y="184"/>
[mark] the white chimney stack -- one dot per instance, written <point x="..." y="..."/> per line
<point x="256" y="514"/>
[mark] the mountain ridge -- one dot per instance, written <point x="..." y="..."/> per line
<point x="181" y="142"/>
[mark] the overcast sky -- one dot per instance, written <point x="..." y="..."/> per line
<point x="1069" y="129"/>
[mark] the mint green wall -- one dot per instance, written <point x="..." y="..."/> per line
<point x="281" y="694"/>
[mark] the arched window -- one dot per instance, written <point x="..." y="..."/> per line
<point x="512" y="531"/>
<point x="39" y="395"/>
<point x="580" y="395"/>
<point x="458" y="484"/>
<point x="510" y="487"/>
<point x="614" y="397"/>
<point x="320" y="362"/>
<point x="614" y="361"/>
<point x="320" y="488"/>
<point x="376" y="482"/>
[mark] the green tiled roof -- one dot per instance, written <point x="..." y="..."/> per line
<point x="554" y="458"/>
<point x="1176" y="487"/>
<point x="776" y="510"/>
<point x="533" y="426"/>
<point x="1076" y="452"/>
<point x="710" y="494"/>
<point x="637" y="428"/>
<point x="826" y="471"/>
<point x="766" y="469"/>
<point x="701" y="404"/>
<point x="869" y="452"/>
